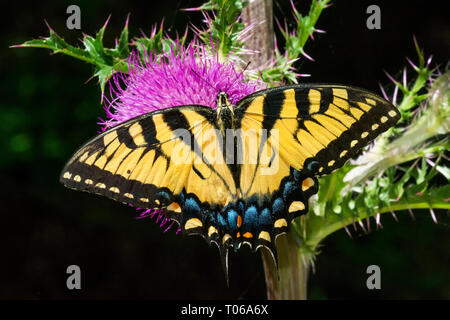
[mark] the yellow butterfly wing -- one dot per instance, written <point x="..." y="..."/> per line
<point x="304" y="131"/>
<point x="155" y="161"/>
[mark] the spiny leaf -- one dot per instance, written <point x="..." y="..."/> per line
<point x="106" y="61"/>
<point x="58" y="45"/>
<point x="397" y="173"/>
<point x="282" y="70"/>
<point x="225" y="28"/>
<point x="122" y="46"/>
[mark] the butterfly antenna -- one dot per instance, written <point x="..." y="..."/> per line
<point x="200" y="77"/>
<point x="241" y="73"/>
<point x="245" y="68"/>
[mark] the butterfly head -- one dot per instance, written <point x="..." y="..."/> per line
<point x="224" y="107"/>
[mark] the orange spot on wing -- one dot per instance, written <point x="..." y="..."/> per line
<point x="307" y="183"/>
<point x="239" y="221"/>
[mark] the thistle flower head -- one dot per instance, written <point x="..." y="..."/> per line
<point x="183" y="76"/>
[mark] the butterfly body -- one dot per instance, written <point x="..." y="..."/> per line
<point x="235" y="174"/>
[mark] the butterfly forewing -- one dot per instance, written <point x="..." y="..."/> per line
<point x="319" y="126"/>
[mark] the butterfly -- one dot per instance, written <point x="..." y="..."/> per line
<point x="237" y="174"/>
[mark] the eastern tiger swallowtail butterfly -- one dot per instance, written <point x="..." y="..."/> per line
<point x="236" y="174"/>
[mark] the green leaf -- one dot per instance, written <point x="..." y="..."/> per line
<point x="320" y="227"/>
<point x="225" y="27"/>
<point x="106" y="61"/>
<point x="122" y="47"/>
<point x="295" y="41"/>
<point x="57" y="44"/>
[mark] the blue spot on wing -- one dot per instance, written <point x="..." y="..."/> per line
<point x="313" y="165"/>
<point x="221" y="221"/>
<point x="296" y="175"/>
<point x="232" y="219"/>
<point x="163" y="196"/>
<point x="278" y="206"/>
<point x="191" y="206"/>
<point x="241" y="206"/>
<point x="250" y="218"/>
<point x="289" y="188"/>
<point x="265" y="218"/>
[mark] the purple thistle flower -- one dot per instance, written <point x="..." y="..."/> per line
<point x="183" y="76"/>
<point x="161" y="218"/>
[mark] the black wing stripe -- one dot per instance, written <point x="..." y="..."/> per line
<point x="124" y="137"/>
<point x="180" y="122"/>
<point x="149" y="131"/>
<point x="302" y="104"/>
<point x="326" y="98"/>
<point x="272" y="106"/>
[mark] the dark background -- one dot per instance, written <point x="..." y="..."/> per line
<point x="47" y="111"/>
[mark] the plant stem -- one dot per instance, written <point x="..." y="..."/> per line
<point x="289" y="282"/>
<point x="293" y="270"/>
<point x="321" y="227"/>
<point x="259" y="15"/>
